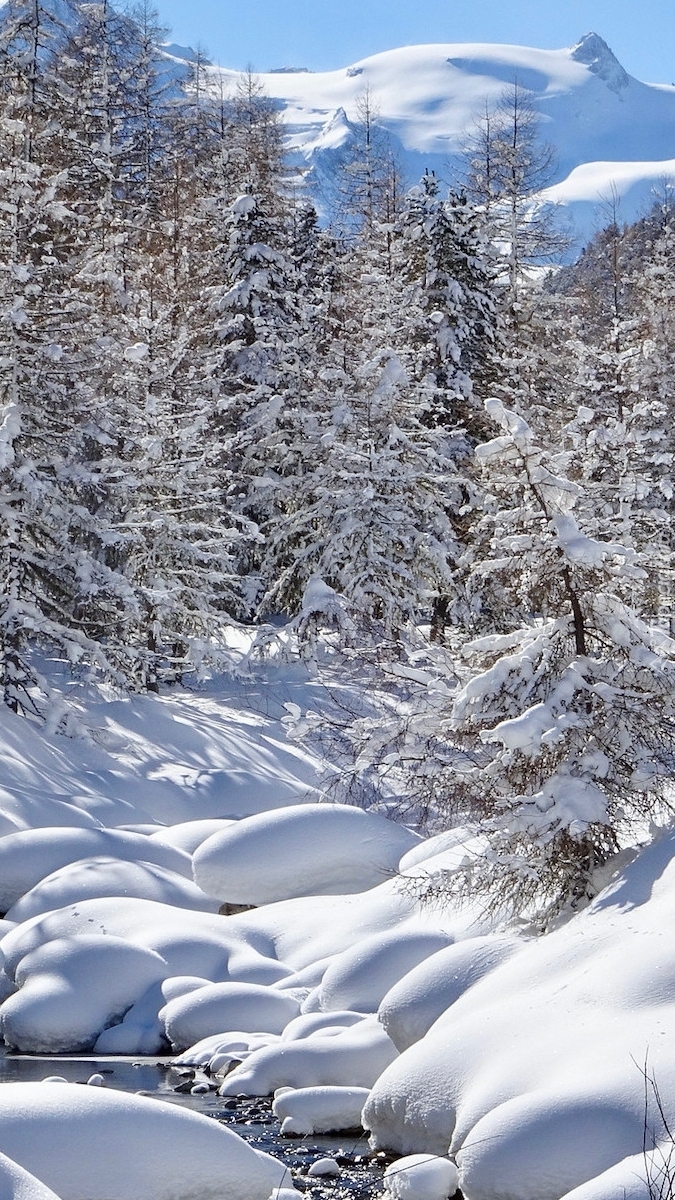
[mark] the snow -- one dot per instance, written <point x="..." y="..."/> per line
<point x="219" y="1051"/>
<point x="306" y="849"/>
<point x="323" y="1167"/>
<point x="223" y="1006"/>
<point x="328" y="1022"/>
<point x="137" y="352"/>
<point x="414" y="1003"/>
<point x="188" y="835"/>
<point x="98" y="1143"/>
<point x="534" y="1077"/>
<point x="595" y="181"/>
<point x="28" y="857"/>
<point x="18" y="1184"/>
<point x="610" y="131"/>
<point x="359" y="977"/>
<point x="628" y="1178"/>
<point x="69" y="990"/>
<point x="421" y="1177"/>
<point x="304" y="1111"/>
<point x="353" y="1058"/>
<point x="200" y="945"/>
<point x="522" y="1058"/>
<point x="217" y="754"/>
<point x="88" y="878"/>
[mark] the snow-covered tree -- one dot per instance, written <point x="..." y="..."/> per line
<point x="508" y="163"/>
<point x="447" y="319"/>
<point x="565" y="724"/>
<point x="47" y="568"/>
<point x="370" y="517"/>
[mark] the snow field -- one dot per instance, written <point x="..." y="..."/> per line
<point x="610" y="130"/>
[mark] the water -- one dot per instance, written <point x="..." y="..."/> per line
<point x="360" y="1175"/>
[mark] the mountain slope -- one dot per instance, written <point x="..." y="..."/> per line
<point x="429" y="96"/>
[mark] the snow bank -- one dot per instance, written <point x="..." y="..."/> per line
<point x="317" y="1022"/>
<point x="543" y="1144"/>
<point x="306" y="933"/>
<point x="140" y="1031"/>
<point x="319" y="1110"/>
<point x="69" y="990"/>
<point x="533" y="1077"/>
<point x="187" y="835"/>
<point x="412" y="1005"/>
<point x="99" y="1143"/>
<point x="193" y="944"/>
<point x="356" y="945"/>
<point x="309" y="849"/>
<point x="218" y="1051"/>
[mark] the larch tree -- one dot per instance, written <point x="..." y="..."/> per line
<point x="564" y="728"/>
<point x="46" y="564"/>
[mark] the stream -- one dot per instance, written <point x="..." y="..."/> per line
<point x="360" y="1176"/>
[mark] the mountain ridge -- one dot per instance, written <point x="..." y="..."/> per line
<point x="612" y="133"/>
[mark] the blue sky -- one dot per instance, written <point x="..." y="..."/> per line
<point x="325" y="34"/>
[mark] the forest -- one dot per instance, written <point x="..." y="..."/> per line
<point x="407" y="432"/>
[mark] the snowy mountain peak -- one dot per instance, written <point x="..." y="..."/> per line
<point x="184" y="53"/>
<point x="594" y="52"/>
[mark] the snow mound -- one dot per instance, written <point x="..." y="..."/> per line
<point x="535" y="1077"/>
<point x="18" y="1184"/>
<point x="317" y="1022"/>
<point x="187" y="835"/>
<point x="31" y="855"/>
<point x="89" y="878"/>
<point x="353" y="1058"/>
<point x="99" y="1143"/>
<point x="319" y="1110"/>
<point x="70" y="990"/>
<point x="222" y="1007"/>
<point x="543" y="1144"/>
<point x="358" y="978"/>
<point x="302" y="850"/>
<point x="323" y="1167"/>
<point x="220" y="1050"/>
<point x="412" y="1005"/>
<point x="193" y="944"/>
<point x="421" y="1177"/>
